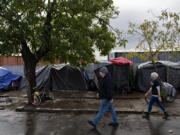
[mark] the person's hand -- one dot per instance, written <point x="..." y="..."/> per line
<point x="151" y="83"/>
<point x="160" y="99"/>
<point x="146" y="95"/>
<point x="97" y="95"/>
<point x="111" y="100"/>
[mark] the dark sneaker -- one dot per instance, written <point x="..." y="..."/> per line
<point x="113" y="124"/>
<point x="166" y="115"/>
<point x="146" y="116"/>
<point x="91" y="123"/>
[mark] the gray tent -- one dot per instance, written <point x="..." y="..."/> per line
<point x="168" y="72"/>
<point x="120" y="75"/>
<point x="173" y="75"/>
<point x="170" y="90"/>
<point x="90" y="70"/>
<point x="59" y="77"/>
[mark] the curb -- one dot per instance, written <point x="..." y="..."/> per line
<point x="33" y="109"/>
<point x="50" y="110"/>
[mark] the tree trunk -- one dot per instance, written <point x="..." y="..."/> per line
<point x="31" y="58"/>
<point x="156" y="70"/>
<point x="30" y="74"/>
<point x="30" y="62"/>
<point x="154" y="65"/>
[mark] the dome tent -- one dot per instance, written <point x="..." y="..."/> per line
<point x="168" y="72"/>
<point x="6" y="77"/>
<point x="119" y="69"/>
<point x="59" y="77"/>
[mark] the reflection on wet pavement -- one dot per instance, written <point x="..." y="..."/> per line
<point x="13" y="123"/>
<point x="155" y="128"/>
<point x="93" y="131"/>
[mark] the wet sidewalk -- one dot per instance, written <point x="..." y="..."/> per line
<point x="87" y="102"/>
<point x="25" y="123"/>
<point x="80" y="107"/>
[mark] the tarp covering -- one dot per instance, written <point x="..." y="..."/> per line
<point x="90" y="70"/>
<point x="60" y="77"/>
<point x="121" y="61"/>
<point x="173" y="75"/>
<point x="170" y="90"/>
<point x="120" y="75"/>
<point x="168" y="72"/>
<point x="6" y="77"/>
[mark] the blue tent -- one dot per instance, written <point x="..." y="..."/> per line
<point x="6" y="77"/>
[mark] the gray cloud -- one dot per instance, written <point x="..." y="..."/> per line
<point x="136" y="11"/>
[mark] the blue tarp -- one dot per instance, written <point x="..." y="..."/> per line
<point x="6" y="77"/>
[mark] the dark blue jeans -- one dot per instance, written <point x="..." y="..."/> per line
<point x="155" y="99"/>
<point x="105" y="106"/>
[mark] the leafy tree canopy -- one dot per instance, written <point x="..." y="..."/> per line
<point x="68" y="30"/>
<point x="160" y="34"/>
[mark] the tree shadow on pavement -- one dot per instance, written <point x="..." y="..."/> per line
<point x="30" y="124"/>
<point x="114" y="129"/>
<point x="93" y="131"/>
<point x="155" y="127"/>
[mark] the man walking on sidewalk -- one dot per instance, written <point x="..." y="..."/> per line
<point x="106" y="94"/>
<point x="155" y="97"/>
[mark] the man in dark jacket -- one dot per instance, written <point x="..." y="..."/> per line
<point x="106" y="93"/>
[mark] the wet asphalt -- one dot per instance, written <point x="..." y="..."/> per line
<point x="23" y="123"/>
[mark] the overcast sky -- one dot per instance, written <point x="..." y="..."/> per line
<point x="136" y="11"/>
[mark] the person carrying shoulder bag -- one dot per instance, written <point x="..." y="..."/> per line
<point x="155" y="96"/>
